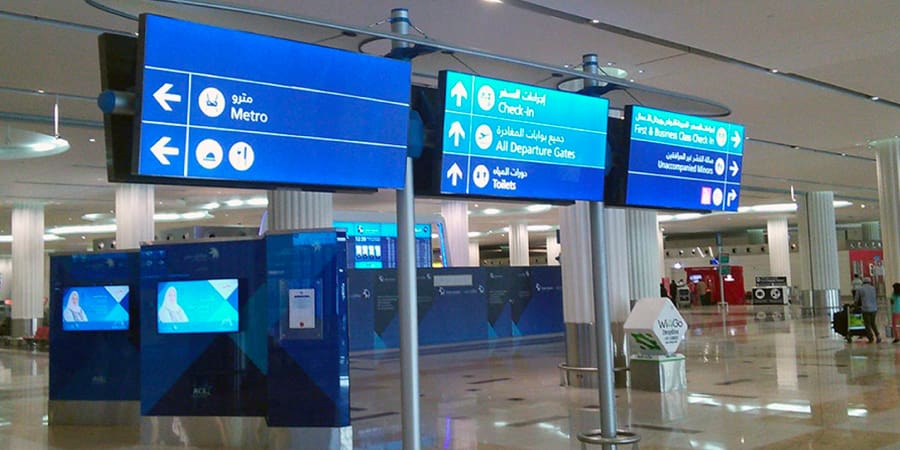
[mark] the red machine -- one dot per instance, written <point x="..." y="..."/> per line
<point x="734" y="283"/>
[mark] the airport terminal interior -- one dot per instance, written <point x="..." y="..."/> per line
<point x="719" y="223"/>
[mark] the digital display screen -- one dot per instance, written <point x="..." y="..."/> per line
<point x="197" y="306"/>
<point x="95" y="308"/>
<point x="373" y="245"/>
<point x="505" y="139"/>
<point x="676" y="161"/>
<point x="220" y="105"/>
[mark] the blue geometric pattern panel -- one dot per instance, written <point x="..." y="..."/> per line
<point x="96" y="356"/>
<point x="207" y="371"/>
<point x="309" y="373"/>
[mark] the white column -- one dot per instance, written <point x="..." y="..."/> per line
<point x="661" y="248"/>
<point x="618" y="283"/>
<point x="887" y="160"/>
<point x="296" y="210"/>
<point x="575" y="256"/>
<point x="456" y="220"/>
<point x="578" y="291"/>
<point x="28" y="266"/>
<point x="474" y="254"/>
<point x="518" y="244"/>
<point x="871" y="231"/>
<point x="134" y="215"/>
<point x="553" y="249"/>
<point x="779" y="248"/>
<point x="817" y="219"/>
<point x="643" y="253"/>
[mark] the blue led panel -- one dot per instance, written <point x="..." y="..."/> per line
<point x="220" y="106"/>
<point x="504" y="139"/>
<point x="682" y="162"/>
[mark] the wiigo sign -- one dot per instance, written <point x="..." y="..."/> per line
<point x="655" y="327"/>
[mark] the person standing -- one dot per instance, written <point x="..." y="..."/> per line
<point x="895" y="310"/>
<point x="865" y="297"/>
<point x="703" y="292"/>
<point x="855" y="284"/>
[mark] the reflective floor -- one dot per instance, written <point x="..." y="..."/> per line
<point x="751" y="384"/>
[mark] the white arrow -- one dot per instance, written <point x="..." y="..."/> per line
<point x="459" y="91"/>
<point x="456" y="132"/>
<point x="732" y="196"/>
<point x="161" y="150"/>
<point x="735" y="168"/>
<point x="454" y="174"/>
<point x="163" y="97"/>
<point x="736" y="139"/>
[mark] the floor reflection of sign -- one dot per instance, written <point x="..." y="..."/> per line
<point x="302" y="308"/>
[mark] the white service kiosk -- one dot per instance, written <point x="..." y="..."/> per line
<point x="655" y="329"/>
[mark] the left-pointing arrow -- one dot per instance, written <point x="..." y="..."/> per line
<point x="162" y="151"/>
<point x="163" y="97"/>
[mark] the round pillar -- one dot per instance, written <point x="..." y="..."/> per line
<point x="474" y="254"/>
<point x="887" y="161"/>
<point x="456" y="219"/>
<point x="578" y="291"/>
<point x="518" y="244"/>
<point x="297" y="210"/>
<point x="553" y="249"/>
<point x="27" y="267"/>
<point x="134" y="215"/>
<point x="643" y="253"/>
<point x="818" y="242"/>
<point x="779" y="248"/>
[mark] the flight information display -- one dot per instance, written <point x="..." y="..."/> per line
<point x="231" y="106"/>
<point x="373" y="245"/>
<point x="676" y="161"/>
<point x="505" y="139"/>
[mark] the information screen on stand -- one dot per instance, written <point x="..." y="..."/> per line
<point x="224" y="105"/>
<point x="373" y="245"/>
<point x="682" y="162"/>
<point x="504" y="139"/>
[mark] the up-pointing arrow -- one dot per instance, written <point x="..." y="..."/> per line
<point x="735" y="168"/>
<point x="459" y="92"/>
<point x="456" y="132"/>
<point x="161" y="150"/>
<point x="454" y="174"/>
<point x="163" y="97"/>
<point x="736" y="139"/>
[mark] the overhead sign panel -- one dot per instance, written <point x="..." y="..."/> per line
<point x="682" y="162"/>
<point x="225" y="105"/>
<point x="504" y="139"/>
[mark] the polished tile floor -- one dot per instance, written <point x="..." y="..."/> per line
<point x="751" y="384"/>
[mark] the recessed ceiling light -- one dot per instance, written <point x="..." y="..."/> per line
<point x="491" y="211"/>
<point x="538" y="208"/>
<point x="631" y="80"/>
<point x="234" y="202"/>
<point x="610" y="63"/>
<point x="40" y="91"/>
<point x="595" y="20"/>
<point x="862" y="206"/>
<point x="773" y="70"/>
<point x="875" y="98"/>
<point x="494" y="1"/>
<point x="640" y="70"/>
<point x="92" y="140"/>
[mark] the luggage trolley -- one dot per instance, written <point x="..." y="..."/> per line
<point x="848" y="322"/>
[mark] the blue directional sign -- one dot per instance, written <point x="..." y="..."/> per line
<point x="683" y="162"/>
<point x="232" y="106"/>
<point x="504" y="139"/>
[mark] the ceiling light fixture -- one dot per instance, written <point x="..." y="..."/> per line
<point x="875" y="98"/>
<point x="234" y="202"/>
<point x="211" y="205"/>
<point x="258" y="201"/>
<point x="22" y="144"/>
<point x="538" y="208"/>
<point x="539" y="228"/>
<point x="83" y="229"/>
<point x="595" y="21"/>
<point x="491" y="211"/>
<point x="5" y="238"/>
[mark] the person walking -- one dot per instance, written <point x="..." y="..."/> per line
<point x="895" y="310"/>
<point x="865" y="297"/>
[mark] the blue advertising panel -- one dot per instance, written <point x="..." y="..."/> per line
<point x="97" y="364"/>
<point x="224" y="105"/>
<point x="682" y="162"/>
<point x="94" y="308"/>
<point x="373" y="245"/>
<point x="504" y="139"/>
<point x="198" y="306"/>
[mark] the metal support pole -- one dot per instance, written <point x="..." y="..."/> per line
<point x="606" y="386"/>
<point x="406" y="285"/>
<point x="723" y="305"/>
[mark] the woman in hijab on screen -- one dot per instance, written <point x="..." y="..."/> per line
<point x="73" y="311"/>
<point x="171" y="311"/>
